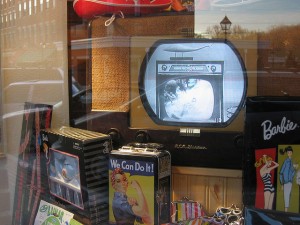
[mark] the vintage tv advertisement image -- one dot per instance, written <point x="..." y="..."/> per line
<point x="179" y="97"/>
<point x="64" y="177"/>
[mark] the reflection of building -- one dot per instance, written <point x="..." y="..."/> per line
<point x="278" y="54"/>
<point x="33" y="69"/>
<point x="29" y="32"/>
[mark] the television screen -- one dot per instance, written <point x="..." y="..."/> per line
<point x="192" y="82"/>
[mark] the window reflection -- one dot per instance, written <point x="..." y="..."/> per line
<point x="32" y="54"/>
<point x="31" y="43"/>
<point x="272" y="24"/>
<point x="268" y="27"/>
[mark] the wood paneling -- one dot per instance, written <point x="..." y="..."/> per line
<point x="211" y="187"/>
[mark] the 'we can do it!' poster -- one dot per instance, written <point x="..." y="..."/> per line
<point x="131" y="191"/>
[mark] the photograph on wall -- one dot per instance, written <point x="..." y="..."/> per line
<point x="288" y="178"/>
<point x="131" y="195"/>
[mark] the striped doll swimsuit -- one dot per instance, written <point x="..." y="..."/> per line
<point x="268" y="186"/>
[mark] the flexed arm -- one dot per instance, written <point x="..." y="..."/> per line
<point x="141" y="207"/>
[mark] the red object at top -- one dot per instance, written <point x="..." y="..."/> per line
<point x="90" y="9"/>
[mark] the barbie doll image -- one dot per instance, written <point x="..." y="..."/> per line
<point x="286" y="175"/>
<point x="266" y="165"/>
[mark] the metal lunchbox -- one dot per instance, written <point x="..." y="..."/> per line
<point x="139" y="184"/>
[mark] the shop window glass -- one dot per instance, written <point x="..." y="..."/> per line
<point x="33" y="61"/>
<point x="101" y="58"/>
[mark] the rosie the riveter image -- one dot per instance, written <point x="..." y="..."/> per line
<point x="128" y="210"/>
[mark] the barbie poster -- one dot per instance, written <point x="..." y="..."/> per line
<point x="271" y="172"/>
<point x="277" y="185"/>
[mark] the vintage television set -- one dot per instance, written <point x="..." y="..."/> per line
<point x="189" y="95"/>
<point x="185" y="93"/>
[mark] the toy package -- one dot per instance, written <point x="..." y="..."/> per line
<point x="77" y="166"/>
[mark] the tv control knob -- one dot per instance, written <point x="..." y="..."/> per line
<point x="142" y="136"/>
<point x="164" y="67"/>
<point x="115" y="136"/>
<point x="213" y="68"/>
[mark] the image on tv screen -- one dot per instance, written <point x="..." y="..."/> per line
<point x="192" y="83"/>
<point x="181" y="99"/>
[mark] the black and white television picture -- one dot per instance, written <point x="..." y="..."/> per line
<point x="193" y="83"/>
